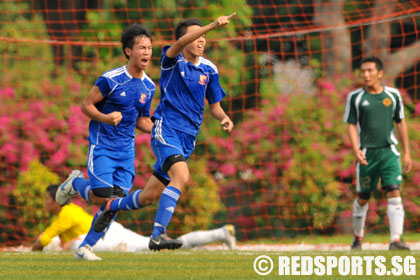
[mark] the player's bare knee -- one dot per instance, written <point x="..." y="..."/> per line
<point x="149" y="196"/>
<point x="363" y="198"/>
<point x="98" y="200"/>
<point x="392" y="191"/>
<point x="182" y="178"/>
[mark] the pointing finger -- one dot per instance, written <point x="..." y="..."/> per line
<point x="231" y="16"/>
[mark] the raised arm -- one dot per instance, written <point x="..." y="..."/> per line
<point x="189" y="37"/>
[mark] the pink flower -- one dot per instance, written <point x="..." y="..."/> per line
<point x="327" y="85"/>
<point x="228" y="169"/>
<point x="143" y="139"/>
<point x="259" y="174"/>
<point x="58" y="157"/>
<point x="10" y="152"/>
<point x="73" y="85"/>
<point x="416" y="178"/>
<point x="328" y="124"/>
<point x="417" y="108"/>
<point x="346" y="214"/>
<point x="37" y="107"/>
<point x="5" y="121"/>
<point x="7" y="92"/>
<point x="28" y="156"/>
<point x="139" y="181"/>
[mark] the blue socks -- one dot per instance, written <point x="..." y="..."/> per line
<point x="167" y="204"/>
<point x="92" y="236"/>
<point x="130" y="202"/>
<point x="82" y="186"/>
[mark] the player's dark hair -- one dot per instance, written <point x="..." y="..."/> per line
<point x="52" y="190"/>
<point x="130" y="33"/>
<point x="181" y="28"/>
<point x="374" y="59"/>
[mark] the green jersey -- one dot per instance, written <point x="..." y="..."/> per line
<point x="374" y="115"/>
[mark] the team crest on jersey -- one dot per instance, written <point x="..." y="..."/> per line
<point x="203" y="80"/>
<point x="387" y="102"/>
<point x="143" y="97"/>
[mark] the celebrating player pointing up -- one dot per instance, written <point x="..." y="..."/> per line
<point x="186" y="80"/>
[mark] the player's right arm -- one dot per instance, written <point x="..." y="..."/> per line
<point x="354" y="139"/>
<point x="189" y="37"/>
<point x="37" y="245"/>
<point x="351" y="118"/>
<point x="89" y="109"/>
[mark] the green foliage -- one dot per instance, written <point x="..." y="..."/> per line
<point x="30" y="194"/>
<point x="200" y="201"/>
<point x="24" y="58"/>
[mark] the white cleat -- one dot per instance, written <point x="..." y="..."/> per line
<point x="230" y="236"/>
<point x="86" y="253"/>
<point x="66" y="191"/>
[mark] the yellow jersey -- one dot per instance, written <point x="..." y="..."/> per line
<point x="71" y="222"/>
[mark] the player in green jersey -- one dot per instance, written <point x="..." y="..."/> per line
<point x="370" y="113"/>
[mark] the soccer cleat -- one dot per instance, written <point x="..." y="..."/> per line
<point x="105" y="218"/>
<point x="86" y="253"/>
<point x="230" y="236"/>
<point x="357" y="243"/>
<point x="162" y="241"/>
<point x="398" y="245"/>
<point x="66" y="191"/>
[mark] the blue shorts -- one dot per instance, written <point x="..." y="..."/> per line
<point x="166" y="142"/>
<point x="109" y="168"/>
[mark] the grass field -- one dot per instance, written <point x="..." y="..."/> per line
<point x="181" y="264"/>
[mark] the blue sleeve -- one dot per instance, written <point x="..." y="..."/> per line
<point x="167" y="62"/>
<point x="103" y="85"/>
<point x="215" y="92"/>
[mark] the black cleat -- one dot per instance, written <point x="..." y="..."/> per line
<point x="398" y="245"/>
<point x="162" y="241"/>
<point x="357" y="243"/>
<point x="105" y="218"/>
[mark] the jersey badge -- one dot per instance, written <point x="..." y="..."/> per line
<point x="387" y="102"/>
<point x="142" y="98"/>
<point x="203" y="80"/>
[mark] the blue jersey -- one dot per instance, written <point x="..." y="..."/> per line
<point x="183" y="87"/>
<point x="128" y="95"/>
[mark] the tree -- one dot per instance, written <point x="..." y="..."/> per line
<point x="65" y="20"/>
<point x="377" y="41"/>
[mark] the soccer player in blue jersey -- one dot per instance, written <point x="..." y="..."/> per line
<point x="370" y="114"/>
<point x="187" y="79"/>
<point x="118" y="103"/>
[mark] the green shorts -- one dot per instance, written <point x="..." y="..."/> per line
<point x="383" y="163"/>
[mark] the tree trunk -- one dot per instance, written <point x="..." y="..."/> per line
<point x="377" y="41"/>
<point x="64" y="20"/>
<point x="336" y="42"/>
